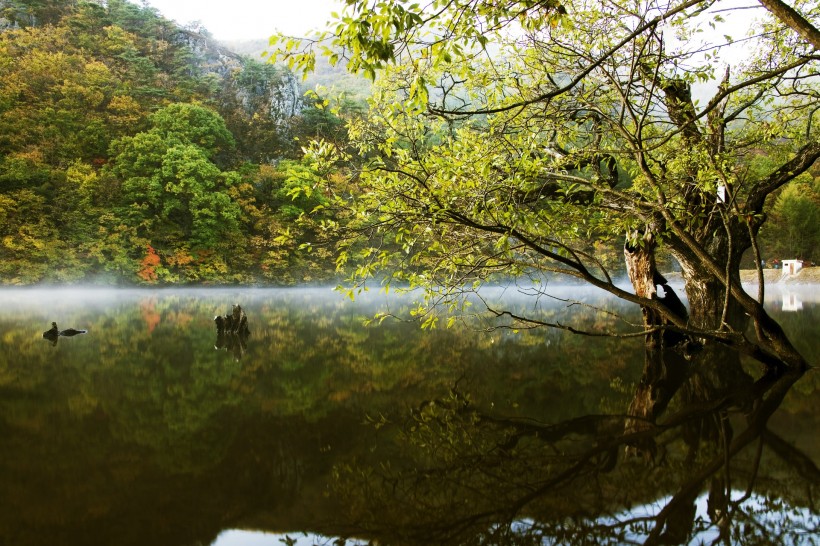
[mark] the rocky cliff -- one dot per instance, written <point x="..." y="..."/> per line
<point x="258" y="88"/>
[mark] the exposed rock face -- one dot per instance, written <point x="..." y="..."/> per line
<point x="274" y="91"/>
<point x="16" y="14"/>
<point x="10" y="17"/>
<point x="286" y="97"/>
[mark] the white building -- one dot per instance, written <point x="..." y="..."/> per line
<point x="790" y="267"/>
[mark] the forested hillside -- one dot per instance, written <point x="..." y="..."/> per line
<point x="135" y="151"/>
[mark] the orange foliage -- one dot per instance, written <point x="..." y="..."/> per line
<point x="148" y="265"/>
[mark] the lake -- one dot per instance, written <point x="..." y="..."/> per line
<point x="150" y="429"/>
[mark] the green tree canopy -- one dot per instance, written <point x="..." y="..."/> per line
<point x="195" y="125"/>
<point x="794" y="228"/>
<point x="172" y="191"/>
<point x="579" y="124"/>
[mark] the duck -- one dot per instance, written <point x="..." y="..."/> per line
<point x="68" y="332"/>
<point x="53" y="332"/>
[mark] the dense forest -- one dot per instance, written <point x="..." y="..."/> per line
<point x="136" y="151"/>
<point x="132" y="150"/>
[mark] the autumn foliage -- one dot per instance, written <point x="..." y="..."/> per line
<point x="148" y="265"/>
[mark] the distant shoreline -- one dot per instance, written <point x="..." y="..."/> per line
<point x="808" y="275"/>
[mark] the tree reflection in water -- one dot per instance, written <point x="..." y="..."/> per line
<point x="708" y="472"/>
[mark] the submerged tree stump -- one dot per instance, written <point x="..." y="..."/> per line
<point x="232" y="332"/>
<point x="235" y="323"/>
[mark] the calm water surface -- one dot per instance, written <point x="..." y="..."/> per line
<point x="150" y="430"/>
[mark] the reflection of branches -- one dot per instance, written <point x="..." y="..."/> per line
<point x="535" y="323"/>
<point x="234" y="343"/>
<point x="470" y="477"/>
<point x="804" y="466"/>
<point x="755" y="428"/>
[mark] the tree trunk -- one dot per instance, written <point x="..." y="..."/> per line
<point x="710" y="310"/>
<point x="665" y="369"/>
<point x="670" y="365"/>
<point x="716" y="370"/>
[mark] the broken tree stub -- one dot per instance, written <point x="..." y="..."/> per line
<point x="236" y="322"/>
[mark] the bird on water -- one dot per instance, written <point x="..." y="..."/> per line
<point x="68" y="332"/>
<point x="53" y="332"/>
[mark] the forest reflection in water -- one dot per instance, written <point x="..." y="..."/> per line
<point x="147" y="430"/>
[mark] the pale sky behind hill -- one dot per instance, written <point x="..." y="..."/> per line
<point x="233" y="20"/>
<point x="249" y="19"/>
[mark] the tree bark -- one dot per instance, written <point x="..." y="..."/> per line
<point x="789" y="16"/>
<point x="665" y="369"/>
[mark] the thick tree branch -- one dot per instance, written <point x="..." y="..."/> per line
<point x="795" y="458"/>
<point x="789" y="16"/>
<point x="787" y="172"/>
<point x="725" y="91"/>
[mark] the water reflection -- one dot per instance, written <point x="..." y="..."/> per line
<point x="142" y="433"/>
<point x="238" y="537"/>
<point x="790" y="297"/>
<point x="232" y="332"/>
<point x="791" y="301"/>
<point x="461" y="477"/>
<point x="234" y="343"/>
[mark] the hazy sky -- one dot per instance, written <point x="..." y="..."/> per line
<point x="253" y="19"/>
<point x="249" y="19"/>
